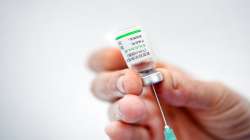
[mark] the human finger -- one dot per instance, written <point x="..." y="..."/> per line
<point x="106" y="59"/>
<point x="113" y="85"/>
<point x="182" y="91"/>
<point x="120" y="131"/>
<point x="137" y="110"/>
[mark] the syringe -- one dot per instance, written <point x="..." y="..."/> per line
<point x="168" y="132"/>
<point x="156" y="77"/>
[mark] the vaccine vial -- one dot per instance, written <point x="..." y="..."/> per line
<point x="137" y="54"/>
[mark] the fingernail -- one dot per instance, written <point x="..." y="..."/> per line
<point x="118" y="113"/>
<point x="120" y="84"/>
<point x="115" y="112"/>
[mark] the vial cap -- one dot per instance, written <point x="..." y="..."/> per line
<point x="152" y="78"/>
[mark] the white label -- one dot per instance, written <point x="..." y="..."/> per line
<point x="133" y="46"/>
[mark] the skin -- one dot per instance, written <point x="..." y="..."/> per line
<point x="195" y="109"/>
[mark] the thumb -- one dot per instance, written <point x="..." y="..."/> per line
<point x="182" y="91"/>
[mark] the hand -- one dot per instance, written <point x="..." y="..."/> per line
<point x="196" y="110"/>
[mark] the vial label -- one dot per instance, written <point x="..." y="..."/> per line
<point x="133" y="46"/>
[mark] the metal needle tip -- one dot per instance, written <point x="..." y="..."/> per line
<point x="160" y="107"/>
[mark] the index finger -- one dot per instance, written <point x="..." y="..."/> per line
<point x="106" y="59"/>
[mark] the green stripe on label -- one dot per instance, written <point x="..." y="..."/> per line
<point x="128" y="34"/>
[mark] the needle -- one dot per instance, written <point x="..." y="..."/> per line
<point x="168" y="132"/>
<point x="159" y="105"/>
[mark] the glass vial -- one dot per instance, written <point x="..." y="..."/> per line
<point x="137" y="54"/>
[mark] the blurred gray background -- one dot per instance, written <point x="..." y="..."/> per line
<point x="44" y="45"/>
